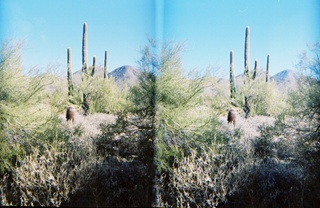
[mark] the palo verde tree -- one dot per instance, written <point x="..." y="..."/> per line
<point x="164" y="93"/>
<point x="168" y="102"/>
<point x="312" y="110"/>
<point x="169" y="99"/>
<point x="305" y="101"/>
<point x="20" y="95"/>
<point x="23" y="110"/>
<point x="143" y="96"/>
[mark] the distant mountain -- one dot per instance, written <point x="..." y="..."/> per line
<point x="125" y="76"/>
<point x="286" y="79"/>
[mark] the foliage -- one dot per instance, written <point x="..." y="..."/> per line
<point x="11" y="156"/>
<point x="264" y="98"/>
<point x="305" y="101"/>
<point x="20" y="95"/>
<point x="103" y="94"/>
<point x="170" y="100"/>
<point x="143" y="96"/>
<point x="22" y="109"/>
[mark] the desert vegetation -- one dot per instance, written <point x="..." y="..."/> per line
<point x="161" y="142"/>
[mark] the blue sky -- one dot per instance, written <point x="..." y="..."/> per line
<point x="209" y="29"/>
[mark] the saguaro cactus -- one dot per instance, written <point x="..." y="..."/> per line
<point x="255" y="71"/>
<point x="105" y="71"/>
<point x="232" y="79"/>
<point x="247" y="106"/>
<point x="85" y="49"/>
<point x="69" y="73"/>
<point x="267" y="69"/>
<point x="93" y="66"/>
<point x="247" y="54"/>
<point x="85" y="102"/>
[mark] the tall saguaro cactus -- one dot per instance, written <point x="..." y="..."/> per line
<point x="249" y="95"/>
<point x="69" y="73"/>
<point x="86" y="99"/>
<point x="267" y="69"/>
<point x="232" y="79"/>
<point x="85" y="49"/>
<point x="255" y="71"/>
<point x="247" y="54"/>
<point x="105" y="69"/>
<point x="93" y="66"/>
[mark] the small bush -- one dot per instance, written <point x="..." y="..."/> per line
<point x="11" y="156"/>
<point x="263" y="98"/>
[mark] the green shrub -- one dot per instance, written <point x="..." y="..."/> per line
<point x="104" y="96"/>
<point x="11" y="157"/>
<point x="264" y="98"/>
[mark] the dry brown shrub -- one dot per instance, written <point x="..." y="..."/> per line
<point x="263" y="164"/>
<point x="52" y="172"/>
<point x="48" y="178"/>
